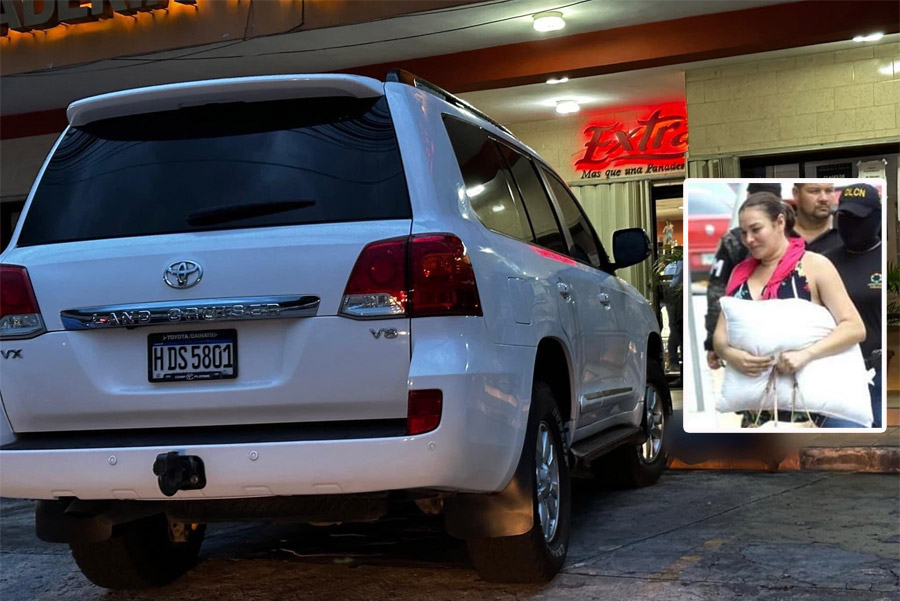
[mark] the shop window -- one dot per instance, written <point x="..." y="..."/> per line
<point x="585" y="247"/>
<point x="547" y="231"/>
<point x="488" y="184"/>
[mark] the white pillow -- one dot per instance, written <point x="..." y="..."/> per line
<point x="835" y="386"/>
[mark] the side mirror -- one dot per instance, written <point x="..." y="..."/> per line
<point x="630" y="247"/>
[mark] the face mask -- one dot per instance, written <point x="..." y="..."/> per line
<point x="859" y="233"/>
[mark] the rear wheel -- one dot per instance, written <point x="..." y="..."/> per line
<point x="142" y="554"/>
<point x="537" y="555"/>
<point x="641" y="465"/>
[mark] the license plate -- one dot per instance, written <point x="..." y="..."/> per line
<point x="707" y="259"/>
<point x="189" y="356"/>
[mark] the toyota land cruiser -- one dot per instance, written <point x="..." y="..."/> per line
<point x="306" y="297"/>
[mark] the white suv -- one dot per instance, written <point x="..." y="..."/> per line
<point x="308" y="297"/>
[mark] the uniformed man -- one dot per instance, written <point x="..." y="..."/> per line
<point x="858" y="261"/>
<point x="814" y="204"/>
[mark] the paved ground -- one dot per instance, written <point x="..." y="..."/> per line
<point x="694" y="536"/>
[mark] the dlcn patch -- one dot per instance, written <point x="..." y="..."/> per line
<point x="855" y="192"/>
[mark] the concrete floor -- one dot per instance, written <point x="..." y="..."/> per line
<point x="693" y="536"/>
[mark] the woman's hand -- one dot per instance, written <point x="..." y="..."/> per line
<point x="712" y="359"/>
<point x="793" y="361"/>
<point x="746" y="363"/>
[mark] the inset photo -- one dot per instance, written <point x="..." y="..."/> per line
<point x="786" y="311"/>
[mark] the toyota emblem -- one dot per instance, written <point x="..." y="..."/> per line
<point x="183" y="274"/>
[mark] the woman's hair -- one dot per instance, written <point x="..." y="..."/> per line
<point x="773" y="206"/>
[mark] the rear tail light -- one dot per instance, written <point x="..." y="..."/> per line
<point x="415" y="276"/>
<point x="19" y="313"/>
<point x="443" y="281"/>
<point x="423" y="412"/>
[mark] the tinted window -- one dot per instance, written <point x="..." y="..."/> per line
<point x="222" y="166"/>
<point x="543" y="220"/>
<point x="487" y="181"/>
<point x="584" y="247"/>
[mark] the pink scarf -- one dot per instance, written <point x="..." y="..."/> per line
<point x="787" y="264"/>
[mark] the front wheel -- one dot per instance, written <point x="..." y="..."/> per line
<point x="643" y="464"/>
<point x="537" y="555"/>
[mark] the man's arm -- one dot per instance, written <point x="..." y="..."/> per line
<point x="718" y="279"/>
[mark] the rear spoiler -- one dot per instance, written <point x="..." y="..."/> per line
<point x="235" y="89"/>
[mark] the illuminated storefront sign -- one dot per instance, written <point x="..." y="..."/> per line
<point x="652" y="144"/>
<point x="26" y="15"/>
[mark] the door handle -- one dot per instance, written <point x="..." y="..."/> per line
<point x="565" y="291"/>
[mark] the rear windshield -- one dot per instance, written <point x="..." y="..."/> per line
<point x="221" y="166"/>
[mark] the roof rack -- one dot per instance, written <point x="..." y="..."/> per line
<point x="401" y="76"/>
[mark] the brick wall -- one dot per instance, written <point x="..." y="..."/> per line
<point x="827" y="98"/>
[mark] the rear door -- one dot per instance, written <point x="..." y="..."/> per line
<point x="237" y="225"/>
<point x="608" y="380"/>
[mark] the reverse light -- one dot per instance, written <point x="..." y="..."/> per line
<point x="423" y="413"/>
<point x="20" y="316"/>
<point x="422" y="275"/>
<point x="377" y="287"/>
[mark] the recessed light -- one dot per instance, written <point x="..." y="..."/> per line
<point x="567" y="106"/>
<point x="551" y="20"/>
<point x="554" y="80"/>
<point x="681" y="208"/>
<point x="474" y="190"/>
<point x="872" y="37"/>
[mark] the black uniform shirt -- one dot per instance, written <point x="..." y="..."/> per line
<point x="861" y="273"/>
<point x="826" y="242"/>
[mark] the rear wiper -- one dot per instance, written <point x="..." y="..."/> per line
<point x="224" y="214"/>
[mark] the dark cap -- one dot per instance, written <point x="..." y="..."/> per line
<point x="859" y="200"/>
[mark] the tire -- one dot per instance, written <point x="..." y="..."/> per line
<point x="641" y="465"/>
<point x="140" y="555"/>
<point x="532" y="557"/>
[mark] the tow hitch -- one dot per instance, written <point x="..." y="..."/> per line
<point x="178" y="472"/>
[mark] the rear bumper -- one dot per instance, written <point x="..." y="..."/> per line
<point x="476" y="447"/>
<point x="239" y="470"/>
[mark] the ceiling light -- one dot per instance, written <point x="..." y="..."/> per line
<point x="553" y="80"/>
<point x="551" y="20"/>
<point x="567" y="106"/>
<point x="474" y="190"/>
<point x="872" y="37"/>
<point x="681" y="208"/>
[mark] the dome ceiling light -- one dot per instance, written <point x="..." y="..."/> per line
<point x="551" y="20"/>
<point x="872" y="37"/>
<point x="564" y="107"/>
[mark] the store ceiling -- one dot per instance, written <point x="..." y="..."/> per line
<point x="600" y="93"/>
<point x="442" y="32"/>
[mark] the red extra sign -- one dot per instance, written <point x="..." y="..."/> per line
<point x="654" y="143"/>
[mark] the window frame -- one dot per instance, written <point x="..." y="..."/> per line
<point x="513" y="185"/>
<point x="547" y="172"/>
<point x="554" y="211"/>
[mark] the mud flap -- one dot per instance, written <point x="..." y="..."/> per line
<point x="509" y="512"/>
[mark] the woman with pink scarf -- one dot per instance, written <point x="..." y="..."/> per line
<point x="779" y="266"/>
